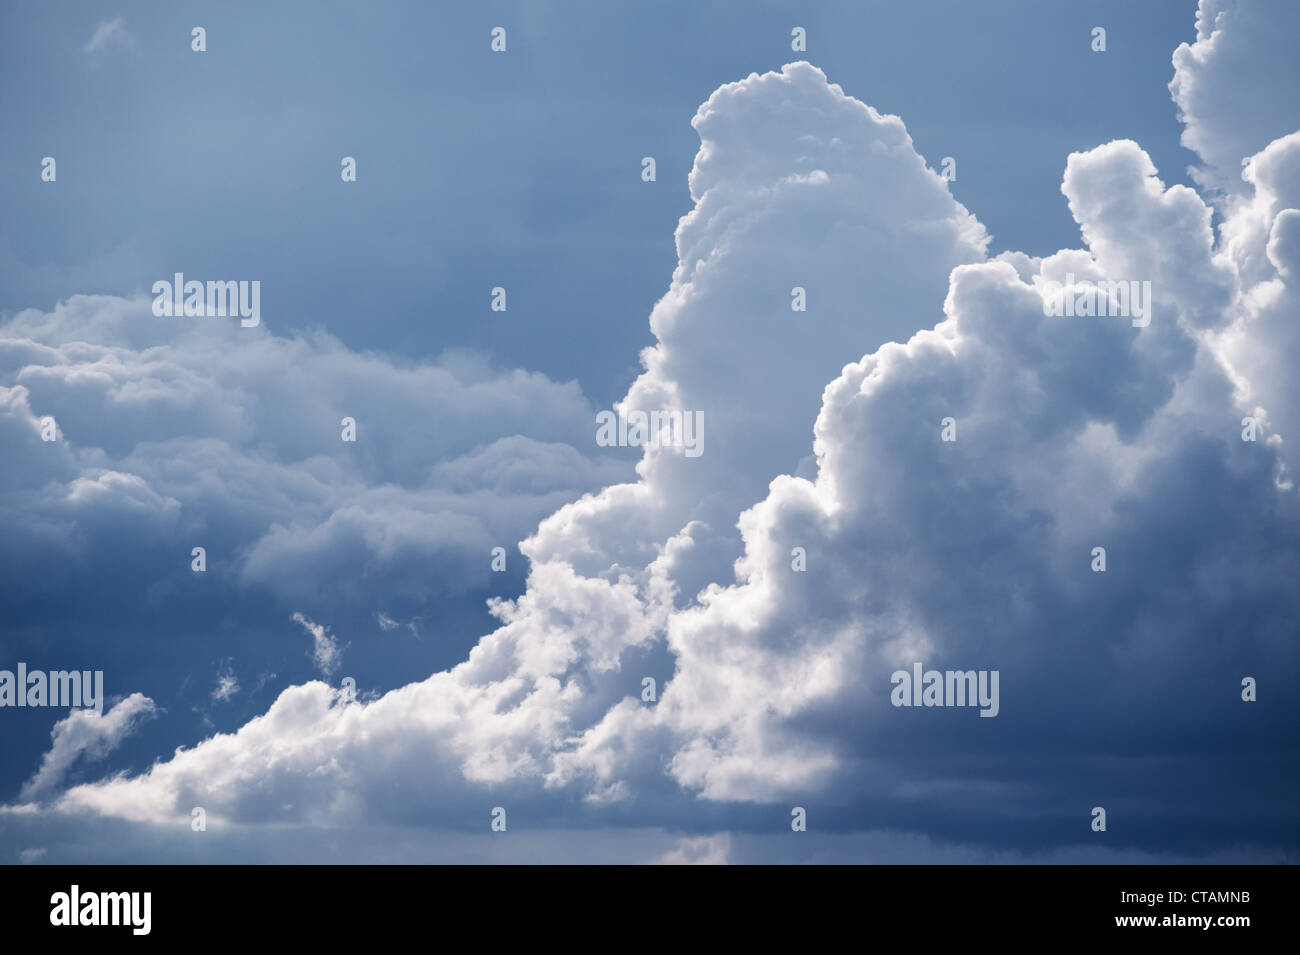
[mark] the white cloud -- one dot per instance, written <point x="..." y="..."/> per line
<point x="85" y="733"/>
<point x="607" y="570"/>
<point x="227" y="686"/>
<point x="110" y="34"/>
<point x="388" y="624"/>
<point x="1072" y="431"/>
<point x="700" y="850"/>
<point x="1262" y="345"/>
<point x="1234" y="84"/>
<point x="326" y="653"/>
<point x="202" y="427"/>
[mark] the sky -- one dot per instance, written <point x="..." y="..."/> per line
<point x="916" y="467"/>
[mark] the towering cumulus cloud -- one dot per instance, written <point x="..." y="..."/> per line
<point x="1234" y="85"/>
<point x="1071" y="433"/>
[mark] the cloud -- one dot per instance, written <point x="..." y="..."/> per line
<point x="231" y="439"/>
<point x="702" y="850"/>
<point x="85" y="733"/>
<point x="262" y="680"/>
<point x="326" y="653"/>
<point x="824" y="433"/>
<point x="970" y="554"/>
<point x="227" y="686"/>
<point x="82" y="840"/>
<point x="388" y="624"/>
<point x="535" y="698"/>
<point x="109" y="35"/>
<point x="1233" y="85"/>
<point x="1262" y="344"/>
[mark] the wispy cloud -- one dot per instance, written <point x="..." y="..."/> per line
<point x="702" y="850"/>
<point x="83" y="733"/>
<point x="388" y="624"/>
<point x="326" y="651"/>
<point x="109" y="35"/>
<point x="227" y="686"/>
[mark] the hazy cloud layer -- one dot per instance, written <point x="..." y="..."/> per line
<point x="231" y="438"/>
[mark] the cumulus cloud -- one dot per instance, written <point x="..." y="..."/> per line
<point x="199" y="428"/>
<point x="1234" y="85"/>
<point x="1261" y="346"/>
<point x="607" y="570"/>
<point x="83" y="733"/>
<point x="824" y="433"/>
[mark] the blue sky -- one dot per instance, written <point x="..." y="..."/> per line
<point x="522" y="169"/>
